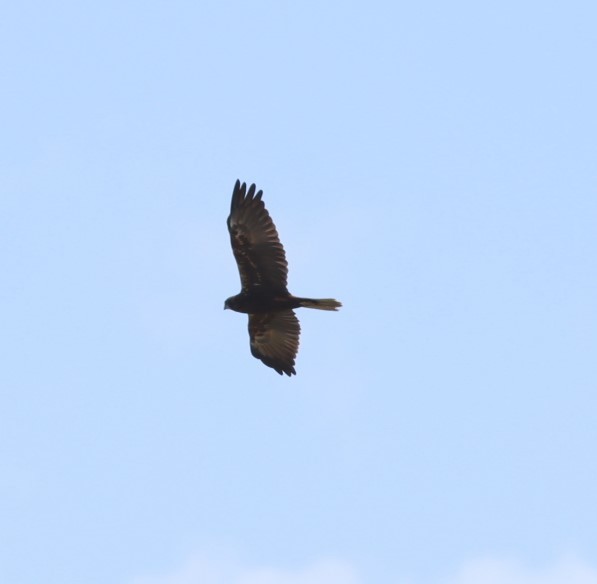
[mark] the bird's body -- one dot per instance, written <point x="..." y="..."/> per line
<point x="273" y="327"/>
<point x="257" y="302"/>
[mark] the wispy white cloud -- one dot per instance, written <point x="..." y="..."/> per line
<point x="568" y="570"/>
<point x="325" y="572"/>
<point x="200" y="570"/>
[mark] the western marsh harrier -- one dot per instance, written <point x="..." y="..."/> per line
<point x="273" y="327"/>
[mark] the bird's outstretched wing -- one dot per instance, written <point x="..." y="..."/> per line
<point x="257" y="249"/>
<point x="275" y="339"/>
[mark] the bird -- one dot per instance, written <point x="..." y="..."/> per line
<point x="274" y="329"/>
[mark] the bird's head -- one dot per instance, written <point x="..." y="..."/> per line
<point x="229" y="303"/>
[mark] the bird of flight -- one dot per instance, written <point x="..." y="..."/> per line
<point x="273" y="327"/>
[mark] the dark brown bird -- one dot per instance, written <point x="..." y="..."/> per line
<point x="273" y="327"/>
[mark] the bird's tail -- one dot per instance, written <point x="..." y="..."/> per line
<point x="321" y="304"/>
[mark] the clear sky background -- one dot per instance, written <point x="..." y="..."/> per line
<point x="432" y="165"/>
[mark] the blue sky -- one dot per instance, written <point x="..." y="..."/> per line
<point x="430" y="165"/>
